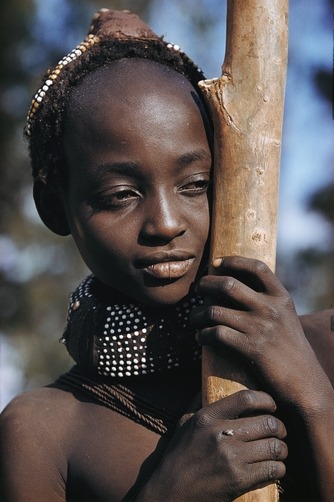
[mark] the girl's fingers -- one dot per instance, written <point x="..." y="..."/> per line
<point x="257" y="428"/>
<point x="268" y="449"/>
<point x="255" y="273"/>
<point x="240" y="404"/>
<point x="215" y="315"/>
<point x="219" y="336"/>
<point x="228" y="291"/>
<point x="262" y="473"/>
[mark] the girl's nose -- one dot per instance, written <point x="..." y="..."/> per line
<point x="163" y="220"/>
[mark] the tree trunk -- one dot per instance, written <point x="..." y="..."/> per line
<point x="247" y="109"/>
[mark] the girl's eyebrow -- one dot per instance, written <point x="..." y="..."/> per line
<point x="190" y="157"/>
<point x="127" y="167"/>
<point x="133" y="168"/>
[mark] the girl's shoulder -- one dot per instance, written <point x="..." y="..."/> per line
<point x="43" y="432"/>
<point x="38" y="419"/>
<point x="33" y="445"/>
<point x="40" y="407"/>
<point x="319" y="330"/>
<point x="50" y="414"/>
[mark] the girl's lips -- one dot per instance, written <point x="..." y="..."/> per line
<point x="169" y="269"/>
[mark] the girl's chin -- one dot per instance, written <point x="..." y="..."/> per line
<point x="164" y="295"/>
<point x="152" y="291"/>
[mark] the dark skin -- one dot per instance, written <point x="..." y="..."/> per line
<point x="138" y="142"/>
<point x="258" y="326"/>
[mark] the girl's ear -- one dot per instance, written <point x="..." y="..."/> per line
<point x="50" y="208"/>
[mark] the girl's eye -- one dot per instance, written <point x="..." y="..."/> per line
<point x="114" y="200"/>
<point x="196" y="187"/>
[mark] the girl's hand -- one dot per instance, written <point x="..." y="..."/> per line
<point x="248" y="310"/>
<point x="226" y="449"/>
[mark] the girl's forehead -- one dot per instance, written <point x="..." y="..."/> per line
<point x="130" y="90"/>
<point x="130" y="76"/>
<point x="134" y="111"/>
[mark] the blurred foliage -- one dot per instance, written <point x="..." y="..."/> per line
<point x="310" y="273"/>
<point x="322" y="202"/>
<point x="37" y="268"/>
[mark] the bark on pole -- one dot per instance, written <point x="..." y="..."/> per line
<point x="247" y="108"/>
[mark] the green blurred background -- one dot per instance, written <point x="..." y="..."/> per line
<point x="38" y="269"/>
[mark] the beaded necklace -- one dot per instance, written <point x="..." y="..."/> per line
<point x="119" y="339"/>
<point x="114" y="341"/>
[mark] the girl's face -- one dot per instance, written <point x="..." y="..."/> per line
<point x="139" y="170"/>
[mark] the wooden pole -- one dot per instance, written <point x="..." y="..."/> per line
<point x="247" y="108"/>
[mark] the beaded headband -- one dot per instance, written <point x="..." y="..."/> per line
<point x="106" y="23"/>
<point x="89" y="41"/>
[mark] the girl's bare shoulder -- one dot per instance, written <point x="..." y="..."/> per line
<point x="319" y="330"/>
<point x="38" y="420"/>
<point x="33" y="446"/>
<point x="44" y="405"/>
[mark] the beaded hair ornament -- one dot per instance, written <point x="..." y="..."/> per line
<point x="106" y="23"/>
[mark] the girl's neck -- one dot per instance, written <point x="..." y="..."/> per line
<point x="118" y="338"/>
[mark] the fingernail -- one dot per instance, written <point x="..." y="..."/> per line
<point x="217" y="262"/>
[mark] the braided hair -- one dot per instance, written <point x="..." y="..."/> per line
<point x="45" y="122"/>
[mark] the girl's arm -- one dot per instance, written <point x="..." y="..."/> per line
<point x="250" y="312"/>
<point x="319" y="330"/>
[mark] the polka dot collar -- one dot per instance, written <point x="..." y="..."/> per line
<point x="124" y="339"/>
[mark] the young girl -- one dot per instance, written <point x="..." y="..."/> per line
<point x="120" y="145"/>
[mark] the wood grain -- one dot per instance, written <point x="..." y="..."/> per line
<point x="246" y="104"/>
